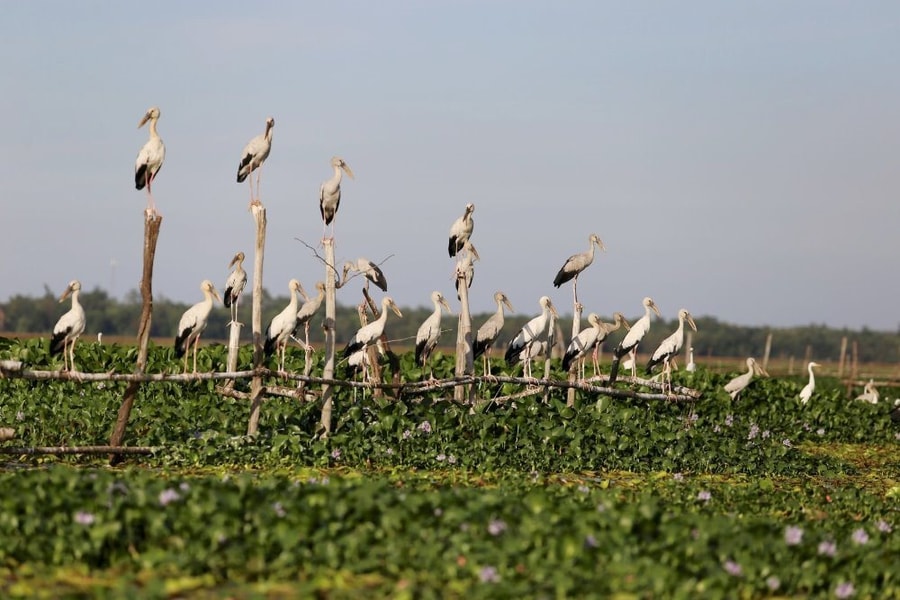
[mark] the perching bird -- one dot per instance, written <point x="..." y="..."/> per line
<point x="691" y="366"/>
<point x="430" y="330"/>
<point x="465" y="269"/>
<point x="669" y="348"/>
<point x="737" y="385"/>
<point x="631" y="340"/>
<point x="870" y="394"/>
<point x="193" y="322"/>
<point x="282" y="325"/>
<point x="577" y="263"/>
<point x="583" y="343"/>
<point x="532" y="330"/>
<point x="234" y="285"/>
<point x="308" y="311"/>
<point x="330" y="193"/>
<point x="461" y="230"/>
<point x="369" y="334"/>
<point x="370" y="271"/>
<point x="487" y="334"/>
<point x="69" y="327"/>
<point x="254" y="155"/>
<point x="149" y="159"/>
<point x="807" y="391"/>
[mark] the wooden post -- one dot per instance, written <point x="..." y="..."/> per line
<point x="688" y="347"/>
<point x="576" y="329"/>
<point x="854" y="373"/>
<point x="843" y="356"/>
<point x="328" y="371"/>
<point x="464" y="354"/>
<point x="551" y="340"/>
<point x="256" y="385"/>
<point x="151" y="235"/>
<point x="767" y="351"/>
<point x="234" y="344"/>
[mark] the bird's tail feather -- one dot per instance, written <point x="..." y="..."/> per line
<point x="614" y="369"/>
<point x="57" y="342"/>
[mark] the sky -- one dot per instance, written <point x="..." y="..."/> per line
<point x="739" y="159"/>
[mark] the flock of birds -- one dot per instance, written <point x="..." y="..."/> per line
<point x="527" y="344"/>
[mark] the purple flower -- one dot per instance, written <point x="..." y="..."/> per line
<point x="489" y="575"/>
<point x="704" y="495"/>
<point x="183" y="486"/>
<point x="787" y="443"/>
<point x="84" y="518"/>
<point x="729" y="420"/>
<point x="425" y="427"/>
<point x="733" y="568"/>
<point x="717" y="429"/>
<point x="844" y="590"/>
<point x="590" y="541"/>
<point x="168" y="496"/>
<point x="884" y="527"/>
<point x="820" y="431"/>
<point x="678" y="477"/>
<point x="773" y="583"/>
<point x="793" y="535"/>
<point x="336" y="453"/>
<point x="279" y="509"/>
<point x="827" y="548"/>
<point x="694" y="417"/>
<point x="496" y="527"/>
<point x="860" y="536"/>
<point x="407" y="434"/>
<point x="754" y="431"/>
<point x="765" y="434"/>
<point x="451" y="459"/>
<point x="441" y="457"/>
<point x="584" y="489"/>
<point x="20" y="416"/>
<point x="389" y="451"/>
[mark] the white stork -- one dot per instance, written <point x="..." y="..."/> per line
<point x="589" y="340"/>
<point x="234" y="285"/>
<point x="516" y="351"/>
<point x="308" y="311"/>
<point x="737" y="385"/>
<point x="807" y="391"/>
<point x="370" y="271"/>
<point x="669" y="348"/>
<point x="193" y="322"/>
<point x="282" y="325"/>
<point x="465" y="269"/>
<point x="487" y="334"/>
<point x="577" y="263"/>
<point x="69" y="327"/>
<point x="369" y="334"/>
<point x="254" y="155"/>
<point x="631" y="340"/>
<point x="330" y="193"/>
<point x="149" y="159"/>
<point x="870" y="394"/>
<point x="461" y="230"/>
<point x="430" y="331"/>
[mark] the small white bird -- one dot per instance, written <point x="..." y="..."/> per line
<point x="691" y="366"/>
<point x="149" y="159"/>
<point x="369" y="270"/>
<point x="577" y="263"/>
<point x="369" y="334"/>
<point x="518" y="346"/>
<point x="487" y="334"/>
<point x="737" y="385"/>
<point x="193" y="323"/>
<point x="631" y="340"/>
<point x="430" y="331"/>
<point x="670" y="347"/>
<point x="253" y="156"/>
<point x="330" y="193"/>
<point x="68" y="327"/>
<point x="807" y="391"/>
<point x="870" y="394"/>
<point x="282" y="325"/>
<point x="234" y="285"/>
<point x="461" y="230"/>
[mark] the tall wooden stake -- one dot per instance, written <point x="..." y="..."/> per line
<point x="464" y="355"/>
<point x="234" y="343"/>
<point x="576" y="329"/>
<point x="151" y="235"/>
<point x="767" y="351"/>
<point x="256" y="386"/>
<point x="328" y="371"/>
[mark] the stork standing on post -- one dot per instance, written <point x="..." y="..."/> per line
<point x="577" y="263"/>
<point x="308" y="310"/>
<point x="369" y="334"/>
<point x="590" y="339"/>
<point x="369" y="270"/>
<point x="193" y="323"/>
<point x="430" y="332"/>
<point x="487" y="334"/>
<point x="670" y="347"/>
<point x="254" y="155"/>
<point x="282" y="325"/>
<point x="149" y="159"/>
<point x="737" y="385"/>
<point x="234" y="285"/>
<point x="465" y="269"/>
<point x="631" y="340"/>
<point x="68" y="327"/>
<point x="461" y="230"/>
<point x="518" y="348"/>
<point x="330" y="193"/>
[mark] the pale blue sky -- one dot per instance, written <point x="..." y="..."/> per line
<point x="739" y="159"/>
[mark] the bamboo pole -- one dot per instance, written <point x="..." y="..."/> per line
<point x="843" y="358"/>
<point x="464" y="353"/>
<point x="152" y="223"/>
<point x="551" y="335"/>
<point x="115" y="450"/>
<point x="256" y="385"/>
<point x="573" y="370"/>
<point x="767" y="351"/>
<point x="234" y="345"/>
<point x="328" y="371"/>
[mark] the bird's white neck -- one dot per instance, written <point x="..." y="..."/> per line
<point x="153" y="132"/>
<point x="812" y="377"/>
<point x="75" y="298"/>
<point x="338" y="174"/>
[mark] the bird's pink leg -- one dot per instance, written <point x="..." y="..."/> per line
<point x="575" y="290"/>
<point x="595" y="361"/>
<point x="196" y="345"/>
<point x="633" y="355"/>
<point x="72" y="355"/>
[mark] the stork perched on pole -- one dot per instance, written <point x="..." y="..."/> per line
<point x="234" y="285"/>
<point x="368" y="269"/>
<point x="330" y="193"/>
<point x="369" y="334"/>
<point x="461" y="230"/>
<point x="487" y="334"/>
<point x="282" y="325"/>
<point x="149" y="159"/>
<point x="670" y="347"/>
<point x="577" y="263"/>
<point x="466" y="267"/>
<point x="308" y="310"/>
<point x="430" y="331"/>
<point x="518" y="348"/>
<point x="68" y="327"/>
<point x="807" y="391"/>
<point x="737" y="385"/>
<point x="193" y="323"/>
<point x="589" y="340"/>
<point x="253" y="156"/>
<point x="631" y="340"/>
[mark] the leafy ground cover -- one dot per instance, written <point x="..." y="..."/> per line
<point x="422" y="498"/>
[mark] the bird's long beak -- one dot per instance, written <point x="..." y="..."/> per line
<point x="474" y="252"/>
<point x="553" y="310"/>
<point x="215" y="294"/>
<point x="656" y="310"/>
<point x="446" y="305"/>
<point x="508" y="304"/>
<point x="396" y="310"/>
<point x="236" y="259"/>
<point x="65" y="294"/>
<point x="759" y="370"/>
<point x="144" y="120"/>
<point x="625" y="324"/>
<point x="347" y="170"/>
<point x="303" y="293"/>
<point x="690" y="321"/>
<point x="600" y="245"/>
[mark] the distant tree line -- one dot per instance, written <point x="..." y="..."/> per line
<point x="37" y="315"/>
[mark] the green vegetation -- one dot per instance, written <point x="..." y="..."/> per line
<point x="421" y="497"/>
